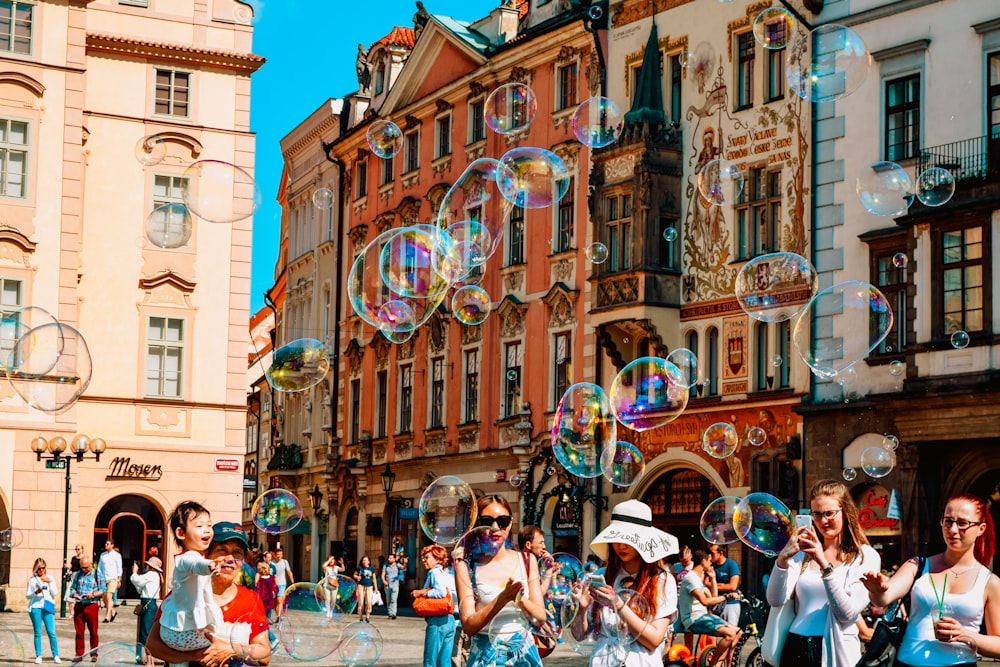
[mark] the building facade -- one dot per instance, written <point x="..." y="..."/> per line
<point x="81" y="84"/>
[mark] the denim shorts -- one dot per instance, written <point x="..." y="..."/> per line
<point x="708" y="624"/>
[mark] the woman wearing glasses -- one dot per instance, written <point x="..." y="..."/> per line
<point x="41" y="594"/>
<point x="952" y="596"/>
<point x="822" y="567"/>
<point x="489" y="580"/>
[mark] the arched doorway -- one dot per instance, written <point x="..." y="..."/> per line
<point x="351" y="536"/>
<point x="135" y="524"/>
<point x="677" y="499"/>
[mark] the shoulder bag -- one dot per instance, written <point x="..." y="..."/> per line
<point x="425" y="606"/>
<point x="889" y="631"/>
<point x="779" y="620"/>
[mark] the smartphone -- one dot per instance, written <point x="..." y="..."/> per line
<point x="803" y="521"/>
<point x="597" y="580"/>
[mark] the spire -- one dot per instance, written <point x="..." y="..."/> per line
<point x="647" y="104"/>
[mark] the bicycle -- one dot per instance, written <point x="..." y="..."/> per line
<point x="753" y="619"/>
<point x="679" y="655"/>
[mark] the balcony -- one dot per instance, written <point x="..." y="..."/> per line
<point x="976" y="159"/>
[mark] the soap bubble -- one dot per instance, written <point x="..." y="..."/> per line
<point x="407" y="263"/>
<point x="447" y="510"/>
<point x="828" y="64"/>
<point x="757" y="436"/>
<point x="461" y="248"/>
<point x="717" y="521"/>
<point x="582" y="428"/>
<point x="150" y="150"/>
<point x="900" y="260"/>
<point x="510" y="108"/>
<point x="647" y="393"/>
<point x="239" y="632"/>
<point x="533" y="177"/>
<point x="686" y="362"/>
<point x="396" y="316"/>
<point x="220" y="192"/>
<point x="845" y="377"/>
<point x="53" y="367"/>
<point x="110" y="654"/>
<point x="850" y="474"/>
<point x="481" y="544"/>
<point x="599" y="630"/>
<point x="763" y="523"/>
<point x="598" y="122"/>
<point x="720" y="182"/>
<point x="863" y="321"/>
<point x="935" y="186"/>
<point x="471" y="305"/>
<point x="512" y="375"/>
<point x="10" y="538"/>
<point x="777" y="361"/>
<point x="299" y="365"/>
<point x="773" y="28"/>
<point x="775" y="287"/>
<point x="960" y="340"/>
<point x="516" y="481"/>
<point x="384" y="138"/>
<point x="13" y="327"/>
<point x="361" y="645"/>
<point x="877" y="462"/>
<point x="622" y="463"/>
<point x="720" y="440"/>
<point x="566" y="570"/>
<point x="884" y="188"/>
<point x="669" y="234"/>
<point x="510" y="636"/>
<point x="890" y="442"/>
<point x="169" y="226"/>
<point x="597" y="253"/>
<point x="308" y="628"/>
<point x="897" y="368"/>
<point x="323" y="198"/>
<point x="276" y="511"/>
<point x="11" y="650"/>
<point x="476" y="196"/>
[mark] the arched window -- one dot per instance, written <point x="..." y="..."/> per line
<point x="380" y="78"/>
<point x="691" y="342"/>
<point x="712" y="370"/>
<point x="761" y="357"/>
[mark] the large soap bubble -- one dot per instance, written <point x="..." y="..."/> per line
<point x="720" y="182"/>
<point x="52" y="367"/>
<point x="775" y="287"/>
<point x="877" y="462"/>
<point x="623" y="463"/>
<point x="361" y="645"/>
<point x="763" y="523"/>
<point x="396" y="317"/>
<point x="647" y="393"/>
<point x="510" y="636"/>
<point x="582" y="428"/>
<point x="110" y="654"/>
<point x="407" y="263"/>
<point x="306" y="628"/>
<point x="598" y="122"/>
<point x="717" y="521"/>
<point x="447" y="509"/>
<point x="773" y="28"/>
<point x="220" y="192"/>
<point x="884" y="188"/>
<point x="13" y="327"/>
<point x="510" y="108"/>
<point x="829" y="63"/>
<point x="276" y="511"/>
<point x="687" y="362"/>
<point x="862" y="319"/>
<point x="299" y="365"/>
<point x="471" y="305"/>
<point x="476" y="197"/>
<point x="935" y="186"/>
<point x="599" y="630"/>
<point x="720" y="440"/>
<point x="384" y="138"/>
<point x="533" y="178"/>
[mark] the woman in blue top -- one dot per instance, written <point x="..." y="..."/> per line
<point x="365" y="576"/>
<point x="439" y="637"/>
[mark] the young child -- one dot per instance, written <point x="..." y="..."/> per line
<point x="267" y="589"/>
<point x="189" y="614"/>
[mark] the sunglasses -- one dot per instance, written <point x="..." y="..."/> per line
<point x="503" y="521"/>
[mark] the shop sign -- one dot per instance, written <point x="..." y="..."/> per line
<point x="249" y="483"/>
<point x="227" y="464"/>
<point x="122" y="468"/>
<point x="563" y="520"/>
<point x="873" y="511"/>
<point x="409" y="513"/>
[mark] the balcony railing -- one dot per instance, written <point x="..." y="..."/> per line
<point x="967" y="160"/>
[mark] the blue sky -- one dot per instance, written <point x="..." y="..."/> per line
<point x="310" y="48"/>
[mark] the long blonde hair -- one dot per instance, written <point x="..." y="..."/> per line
<point x="39" y="562"/>
<point x="853" y="537"/>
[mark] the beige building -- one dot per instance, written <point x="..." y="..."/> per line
<point x="81" y="83"/>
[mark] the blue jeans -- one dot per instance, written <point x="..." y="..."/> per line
<point x="392" y="596"/>
<point x="439" y="640"/>
<point x="39" y="617"/>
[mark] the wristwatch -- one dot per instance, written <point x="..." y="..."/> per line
<point x="826" y="571"/>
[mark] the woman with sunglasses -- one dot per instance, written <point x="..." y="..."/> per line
<point x="41" y="593"/>
<point x="822" y="566"/>
<point x="492" y="578"/>
<point x="952" y="596"/>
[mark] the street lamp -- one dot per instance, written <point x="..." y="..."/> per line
<point x="56" y="458"/>
<point x="315" y="499"/>
<point x="388" y="479"/>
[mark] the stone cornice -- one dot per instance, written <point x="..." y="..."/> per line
<point x="246" y="63"/>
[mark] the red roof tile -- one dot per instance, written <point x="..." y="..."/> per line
<point x="398" y="37"/>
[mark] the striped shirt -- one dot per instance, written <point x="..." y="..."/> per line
<point x="85" y="584"/>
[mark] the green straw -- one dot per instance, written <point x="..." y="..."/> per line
<point x="940" y="598"/>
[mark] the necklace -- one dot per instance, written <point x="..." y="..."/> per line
<point x="959" y="574"/>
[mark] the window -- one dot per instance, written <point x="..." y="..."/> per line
<point x="437" y="392"/>
<point x="11" y="295"/>
<point x="774" y="88"/>
<point x="382" y="404"/>
<point x="762" y="357"/>
<point x="169" y="226"/>
<point x="405" y="397"/>
<point x="442" y="132"/>
<point x="668" y="243"/>
<point x="892" y="282"/>
<point x="712" y="372"/>
<point x="387" y="164"/>
<point x="477" y="121"/>
<point x="326" y="314"/>
<point x="471" y="385"/>
<point x="566" y="95"/>
<point x="355" y="433"/>
<point x="961" y="278"/>
<point x="782" y="361"/>
<point x="164" y="357"/>
<point x="691" y="368"/>
<point x="564" y="220"/>
<point x="513" y="359"/>
<point x="13" y="158"/>
<point x="993" y="94"/>
<point x="173" y="92"/>
<point x="902" y="118"/>
<point x="515" y="237"/>
<point x="16" y="20"/>
<point x="758" y="214"/>
<point x="744" y="70"/>
<point x="619" y="232"/>
<point x="676" y="78"/>
<point x="380" y="78"/>
<point x="412" y="151"/>
<point x="134" y="3"/>
<point x="562" y="367"/>
<point x="361" y="178"/>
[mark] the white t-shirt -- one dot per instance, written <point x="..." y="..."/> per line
<point x="607" y="653"/>
<point x="691" y="608"/>
<point x="280" y="568"/>
<point x="191" y="604"/>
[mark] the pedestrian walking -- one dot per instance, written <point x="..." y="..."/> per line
<point x="266" y="588"/>
<point x="148" y="584"/>
<point x="365" y="576"/>
<point x="41" y="593"/>
<point x="439" y="636"/>
<point x="283" y="576"/>
<point x="390" y="582"/>
<point x="87" y="589"/>
<point x="110" y="568"/>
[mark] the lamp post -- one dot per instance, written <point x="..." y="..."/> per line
<point x="316" y="499"/>
<point x="388" y="479"/>
<point x="56" y="458"/>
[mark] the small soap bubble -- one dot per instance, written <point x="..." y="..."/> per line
<point x="648" y="392"/>
<point x="516" y="481"/>
<point x="900" y="260"/>
<point x="596" y="12"/>
<point x="764" y="284"/>
<point x="720" y="440"/>
<point x="885" y="189"/>
<point x="850" y="474"/>
<point x="299" y="365"/>
<point x="323" y="199"/>
<point x="720" y="182"/>
<point x="935" y="186"/>
<point x="773" y="28"/>
<point x="757" y="436"/>
<point x="532" y="177"/>
<point x="384" y="138"/>
<point x="447" y="510"/>
<point x="717" y="521"/>
<point x="510" y="108"/>
<point x="10" y="538"/>
<point x="960" y="340"/>
<point x="471" y="305"/>
<point x="877" y="462"/>
<point x="669" y="234"/>
<point x="897" y="368"/>
<point x="220" y="192"/>
<point x="890" y="442"/>
<point x="597" y="253"/>
<point x="276" y="511"/>
<point x="777" y="360"/>
<point x="550" y="471"/>
<point x="169" y="226"/>
<point x="687" y="362"/>
<point x="54" y="367"/>
<point x="512" y="375"/>
<point x="763" y="523"/>
<point x="622" y="463"/>
<point x="151" y="150"/>
<point x="598" y="122"/>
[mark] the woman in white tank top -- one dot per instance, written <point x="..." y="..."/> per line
<point x="959" y="582"/>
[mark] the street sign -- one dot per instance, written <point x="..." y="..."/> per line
<point x="55" y="464"/>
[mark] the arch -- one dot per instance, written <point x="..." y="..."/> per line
<point x="16" y="238"/>
<point x="181" y="138"/>
<point x="699" y="479"/>
<point x="24" y="81"/>
<point x="135" y="523"/>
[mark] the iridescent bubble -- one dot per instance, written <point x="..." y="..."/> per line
<point x="877" y="462"/>
<point x="623" y="463"/>
<point x="720" y="182"/>
<point x="720" y="440"/>
<point x="829" y="63"/>
<point x="323" y="199"/>
<point x="897" y="368"/>
<point x="647" y="393"/>
<point x="890" y="442"/>
<point x="13" y="326"/>
<point x="777" y="360"/>
<point x="11" y="650"/>
<point x="551" y="470"/>
<point x="111" y="654"/>
<point x="598" y="122"/>
<point x="299" y="365"/>
<point x="169" y="226"/>
<point x="717" y="521"/>
<point x="598" y="631"/>
<point x="150" y="150"/>
<point x="561" y="571"/>
<point x="10" y="538"/>
<point x="757" y="436"/>
<point x="582" y="428"/>
<point x="396" y="316"/>
<point x="845" y="377"/>
<point x="773" y="28"/>
<point x="276" y="511"/>
<point x="476" y="197"/>
<point x="510" y="108"/>
<point x="960" y="340"/>
<point x="447" y="510"/>
<point x="861" y="318"/>
<point x="935" y="186"/>
<point x="309" y="629"/>
<point x="361" y="645"/>
<point x="53" y="367"/>
<point x="407" y="263"/>
<point x="512" y="375"/>
<point x="533" y="177"/>
<point x="597" y="252"/>
<point x="384" y="138"/>
<point x="884" y="188"/>
<point x="481" y="544"/>
<point x="686" y="362"/>
<point x="237" y="633"/>
<point x="516" y="481"/>
<point x="346" y="598"/>
<point x="669" y="234"/>
<point x="850" y="474"/>
<point x="900" y="260"/>
<point x="763" y="523"/>
<point x="471" y="305"/>
<point x="220" y="192"/>
<point x="510" y="635"/>
<point x="775" y="287"/>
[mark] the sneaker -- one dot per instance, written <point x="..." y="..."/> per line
<point x="77" y="658"/>
<point x="38" y="660"/>
<point x="56" y="660"/>
<point x="93" y="658"/>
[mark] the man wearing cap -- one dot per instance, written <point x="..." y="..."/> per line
<point x="696" y="598"/>
<point x="148" y="586"/>
<point x="87" y="590"/>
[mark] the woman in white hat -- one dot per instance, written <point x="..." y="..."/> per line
<point x="635" y="561"/>
<point x="148" y="586"/>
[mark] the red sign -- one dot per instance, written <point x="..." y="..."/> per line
<point x="227" y="464"/>
<point x="873" y="506"/>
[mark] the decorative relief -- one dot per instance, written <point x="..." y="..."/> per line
<point x="593" y="74"/>
<point x="520" y="75"/>
<point x="513" y="280"/>
<point x="619" y="168"/>
<point x="362" y="154"/>
<point x="380" y="449"/>
<point x="435" y="194"/>
<point x="569" y="151"/>
<point x="405" y="350"/>
<point x="443" y="105"/>
<point x="475" y="150"/>
<point x="618" y="292"/>
<point x="562" y="303"/>
<point x="355" y="356"/>
<point x="509" y="436"/>
<point x="357" y="234"/>
<point x="382" y="348"/>
<point x="163" y="420"/>
<point x="567" y="53"/>
<point x="442" y="164"/>
<point x="476" y="89"/>
<point x="410" y="121"/>
<point x="562" y="270"/>
<point x="403" y="450"/>
<point x="383" y="221"/>
<point x="411" y="179"/>
<point x="359" y="206"/>
<point x="437" y="330"/>
<point x="385" y="190"/>
<point x="409" y="210"/>
<point x="512" y="313"/>
<point x="468" y="442"/>
<point x="471" y="334"/>
<point x="435" y="445"/>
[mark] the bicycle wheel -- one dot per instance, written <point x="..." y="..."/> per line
<point x="755" y="659"/>
<point x="667" y="662"/>
<point x="707" y="656"/>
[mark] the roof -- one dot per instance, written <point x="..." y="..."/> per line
<point x="399" y="36"/>
<point x="119" y="44"/>
<point x="464" y="31"/>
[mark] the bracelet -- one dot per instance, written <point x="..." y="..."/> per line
<point x="619" y="608"/>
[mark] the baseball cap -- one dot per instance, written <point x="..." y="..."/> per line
<point x="225" y="531"/>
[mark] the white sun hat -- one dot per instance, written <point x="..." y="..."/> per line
<point x="632" y="524"/>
